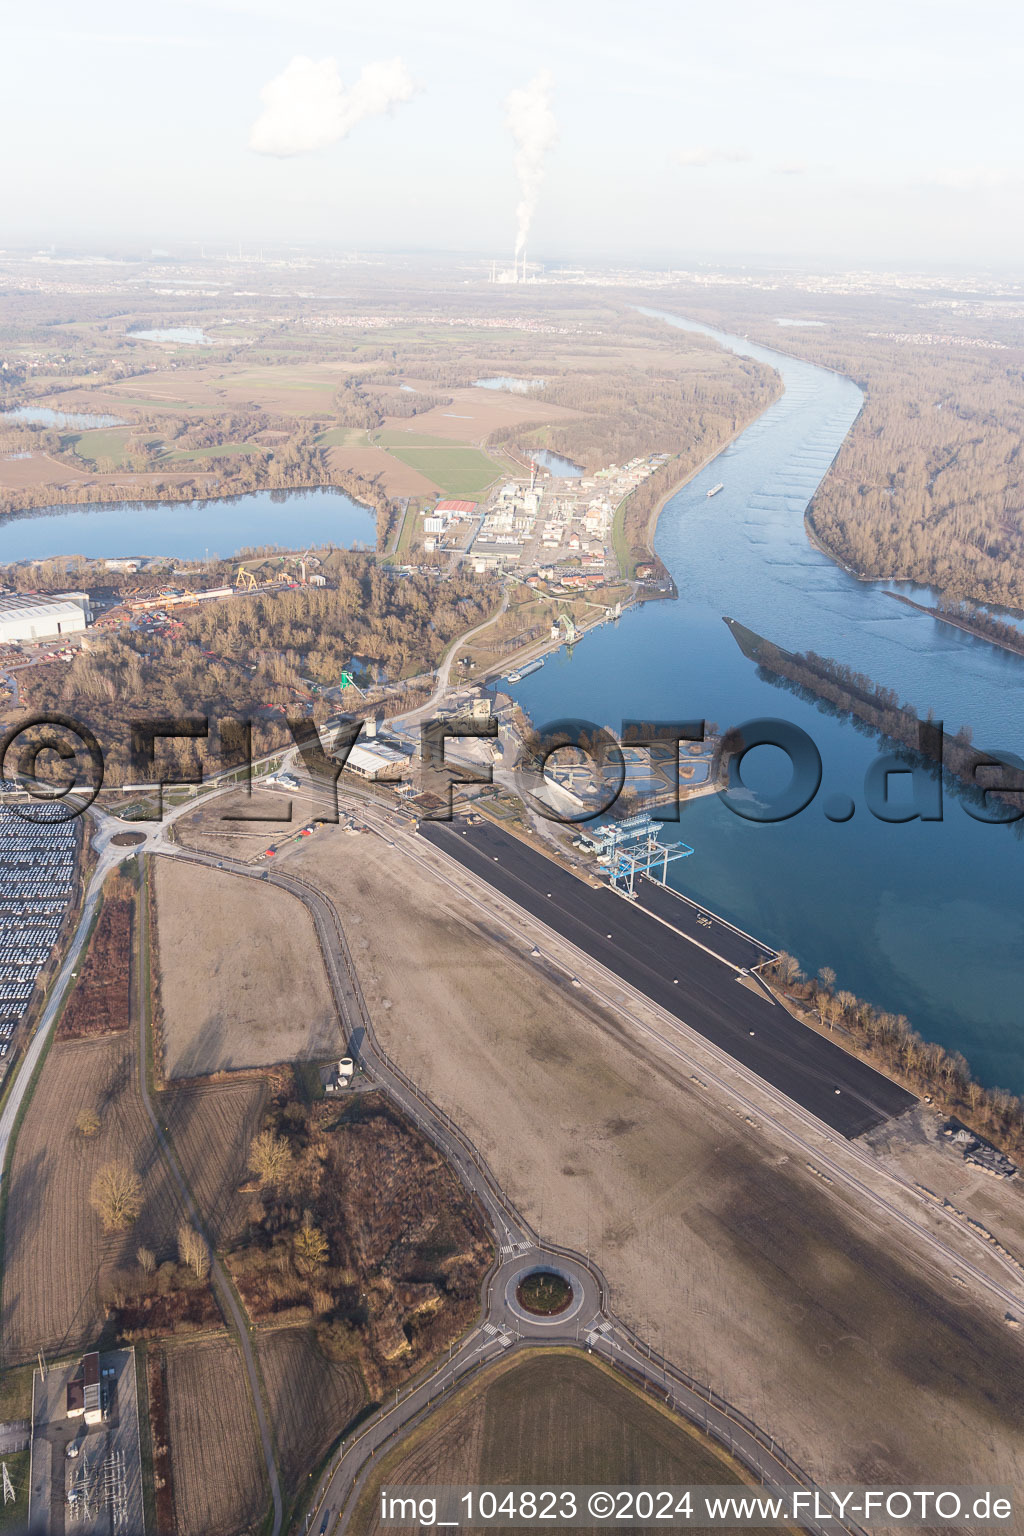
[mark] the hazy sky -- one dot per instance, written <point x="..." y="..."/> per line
<point x="885" y="131"/>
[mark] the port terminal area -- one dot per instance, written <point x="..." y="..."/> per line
<point x="687" y="961"/>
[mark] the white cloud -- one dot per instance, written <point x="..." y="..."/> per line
<point x="307" y="107"/>
<point x="700" y="156"/>
<point x="972" y="178"/>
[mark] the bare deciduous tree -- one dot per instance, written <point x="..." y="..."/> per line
<point x="192" y="1251"/>
<point x="310" y="1248"/>
<point x="116" y="1195"/>
<point x="270" y="1158"/>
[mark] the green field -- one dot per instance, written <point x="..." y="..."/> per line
<point x="218" y="450"/>
<point x="16" y="1392"/>
<point x="14" y="1517"/>
<point x="544" y="1419"/>
<point x="101" y="443"/>
<point x="341" y="437"/>
<point x="391" y="438"/>
<point x="457" y="469"/>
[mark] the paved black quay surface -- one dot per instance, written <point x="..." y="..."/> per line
<point x="702" y="925"/>
<point x="689" y="983"/>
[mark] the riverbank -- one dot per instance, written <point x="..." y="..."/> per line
<point x="959" y="623"/>
<point x="680" y="484"/>
<point x="855" y="695"/>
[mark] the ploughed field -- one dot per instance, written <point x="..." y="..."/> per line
<point x="545" y="1420"/>
<point x="217" y="1469"/>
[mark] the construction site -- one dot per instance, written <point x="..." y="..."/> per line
<point x="147" y="608"/>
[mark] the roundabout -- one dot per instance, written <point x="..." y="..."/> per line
<point x="544" y="1295"/>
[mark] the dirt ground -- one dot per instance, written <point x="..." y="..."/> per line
<point x="543" y="1420"/>
<point x="218" y="1472"/>
<point x="56" y="1253"/>
<point x="208" y="829"/>
<point x="310" y="1399"/>
<point x="915" y="1147"/>
<point x="242" y="982"/>
<point x="718" y="1243"/>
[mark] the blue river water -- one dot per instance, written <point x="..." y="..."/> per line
<point x="190" y="530"/>
<point x="922" y="918"/>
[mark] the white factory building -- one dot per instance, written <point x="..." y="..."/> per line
<point x="43" y="618"/>
<point x="376" y="760"/>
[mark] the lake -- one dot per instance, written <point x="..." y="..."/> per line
<point x="184" y="335"/>
<point x="556" y="464"/>
<point x="515" y="386"/>
<point x="190" y="530"/>
<point x="63" y="421"/>
<point x="922" y="918"/>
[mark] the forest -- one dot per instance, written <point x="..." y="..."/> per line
<point x="929" y="484"/>
<point x="253" y="658"/>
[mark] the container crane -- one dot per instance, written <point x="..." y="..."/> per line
<point x="633" y="847"/>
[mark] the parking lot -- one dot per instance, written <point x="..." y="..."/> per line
<point x="37" y="883"/>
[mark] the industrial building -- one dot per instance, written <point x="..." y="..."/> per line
<point x="447" y="509"/>
<point x="83" y="1391"/>
<point x="376" y="760"/>
<point x="24" y="617"/>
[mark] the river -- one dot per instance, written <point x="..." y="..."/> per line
<point x="922" y="918"/>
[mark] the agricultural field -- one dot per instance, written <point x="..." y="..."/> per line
<point x="547" y="1419"/>
<point x="101" y="443"/>
<point x="397" y="478"/>
<point x="458" y="471"/>
<point x="57" y="1256"/>
<point x="211" y="1125"/>
<point x="241" y="979"/>
<point x="217" y="1469"/>
<point x="310" y="1399"/>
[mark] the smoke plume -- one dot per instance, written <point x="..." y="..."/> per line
<point x="534" y="127"/>
<point x="307" y="107"/>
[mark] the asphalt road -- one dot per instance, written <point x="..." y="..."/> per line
<point x="697" y="987"/>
